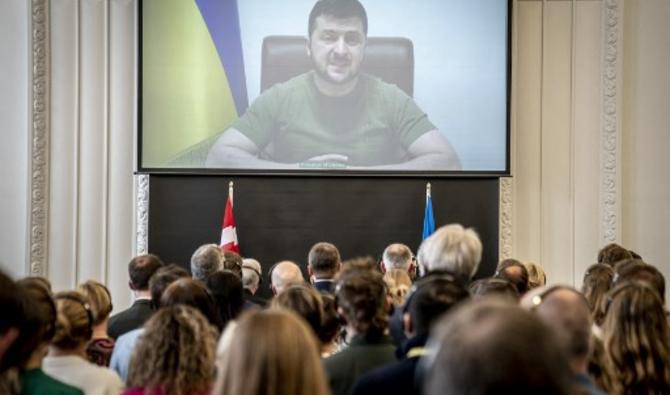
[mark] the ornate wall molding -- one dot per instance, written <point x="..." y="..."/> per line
<point x="609" y="172"/>
<point x="142" y="212"/>
<point x="39" y="157"/>
<point x="505" y="218"/>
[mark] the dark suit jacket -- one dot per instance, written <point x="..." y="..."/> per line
<point x="129" y="319"/>
<point x="395" y="379"/>
<point x="326" y="286"/>
<point x="362" y="355"/>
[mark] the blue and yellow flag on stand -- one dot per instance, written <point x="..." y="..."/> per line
<point x="428" y="218"/>
<point x="192" y="75"/>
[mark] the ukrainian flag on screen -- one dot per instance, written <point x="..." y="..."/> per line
<point x="193" y="83"/>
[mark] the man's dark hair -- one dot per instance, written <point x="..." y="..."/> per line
<point x="639" y="271"/>
<point x="433" y="297"/>
<point x="340" y="9"/>
<point x="141" y="268"/>
<point x="323" y="259"/>
<point x="496" y="287"/>
<point x="488" y="347"/>
<point x="228" y="294"/>
<point x="514" y="272"/>
<point x="613" y="253"/>
<point x="162" y="279"/>
<point x="233" y="261"/>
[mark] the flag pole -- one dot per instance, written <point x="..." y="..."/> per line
<point x="427" y="190"/>
<point x="230" y="191"/>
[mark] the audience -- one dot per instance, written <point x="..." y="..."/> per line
<point x="613" y="336"/>
<point x="567" y="313"/>
<point x="284" y="274"/>
<point x="303" y="300"/>
<point x="67" y="354"/>
<point x="488" y="347"/>
<point x="452" y="248"/>
<point x="398" y="256"/>
<point x="637" y="340"/>
<point x="99" y="350"/>
<point x="274" y="353"/>
<point x="323" y="264"/>
<point x="434" y="295"/>
<point x="398" y="284"/>
<point x="175" y="355"/>
<point x="597" y="281"/>
<point x="207" y="259"/>
<point x="361" y="302"/>
<point x="252" y="279"/>
<point x="515" y="272"/>
<point x="140" y="270"/>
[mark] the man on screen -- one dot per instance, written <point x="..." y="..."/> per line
<point x="334" y="116"/>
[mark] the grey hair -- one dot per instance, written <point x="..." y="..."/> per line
<point x="251" y="272"/>
<point x="452" y="248"/>
<point x="397" y="256"/>
<point x="206" y="260"/>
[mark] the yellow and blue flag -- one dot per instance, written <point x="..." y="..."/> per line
<point x="428" y="218"/>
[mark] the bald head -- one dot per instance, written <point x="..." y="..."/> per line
<point x="285" y="274"/>
<point x="567" y="312"/>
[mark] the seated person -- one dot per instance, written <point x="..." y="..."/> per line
<point x="334" y="116"/>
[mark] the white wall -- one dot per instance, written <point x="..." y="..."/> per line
<point x="14" y="127"/>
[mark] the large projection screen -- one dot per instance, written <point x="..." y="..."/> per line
<point x="246" y="87"/>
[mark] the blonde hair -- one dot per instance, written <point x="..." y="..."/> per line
<point x="637" y="340"/>
<point x="99" y="298"/>
<point x="74" y="320"/>
<point x="176" y="353"/>
<point x="536" y="275"/>
<point x="398" y="284"/>
<point x="274" y="353"/>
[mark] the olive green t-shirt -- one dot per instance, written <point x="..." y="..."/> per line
<point x="36" y="382"/>
<point x="372" y="125"/>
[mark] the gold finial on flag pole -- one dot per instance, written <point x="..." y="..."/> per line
<point x="230" y="191"/>
<point x="427" y="189"/>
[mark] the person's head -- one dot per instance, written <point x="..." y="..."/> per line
<point x="337" y="35"/>
<point x="398" y="284"/>
<point x="361" y="301"/>
<point x="251" y="274"/>
<point x="303" y="300"/>
<point x="162" y="279"/>
<point x="639" y="271"/>
<point x="226" y="290"/>
<point x="39" y="322"/>
<point x="140" y="270"/>
<point x="432" y="297"/>
<point x="397" y="256"/>
<point x="284" y="274"/>
<point x="567" y="313"/>
<point x="282" y="361"/>
<point x="613" y="253"/>
<point x="637" y="339"/>
<point x="206" y="260"/>
<point x="452" y="248"/>
<point x="597" y="281"/>
<point x="192" y="293"/>
<point x="175" y="354"/>
<point x="488" y="347"/>
<point x="515" y="272"/>
<point x="100" y="299"/>
<point x="11" y="317"/>
<point x="233" y="261"/>
<point x="323" y="261"/>
<point x="494" y="288"/>
<point x="536" y="275"/>
<point x="36" y="281"/>
<point x="74" y="322"/>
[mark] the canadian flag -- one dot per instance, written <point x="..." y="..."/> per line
<point x="228" y="230"/>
